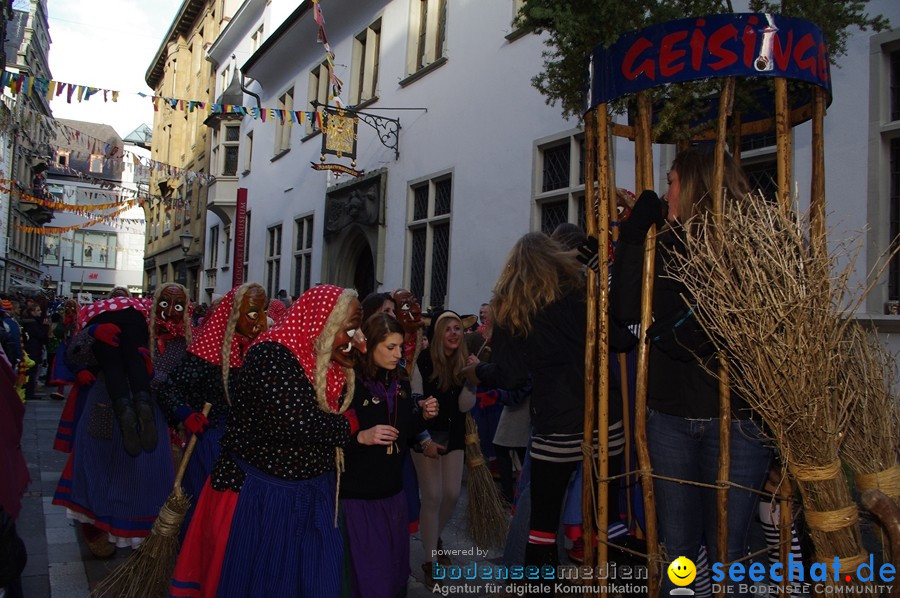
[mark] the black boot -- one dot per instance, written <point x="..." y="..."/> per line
<point x="147" y="420"/>
<point x="128" y="424"/>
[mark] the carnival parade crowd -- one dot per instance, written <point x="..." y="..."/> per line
<point x="330" y="426"/>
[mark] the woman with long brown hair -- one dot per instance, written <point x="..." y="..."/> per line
<point x="682" y="389"/>
<point x="540" y="317"/>
<point x="373" y="503"/>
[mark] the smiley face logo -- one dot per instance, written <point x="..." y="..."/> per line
<point x="682" y="571"/>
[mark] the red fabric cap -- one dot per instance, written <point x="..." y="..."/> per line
<point x="299" y="329"/>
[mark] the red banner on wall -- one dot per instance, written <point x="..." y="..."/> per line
<point x="240" y="236"/>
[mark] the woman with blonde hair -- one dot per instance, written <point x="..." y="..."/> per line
<point x="438" y="458"/>
<point x="540" y="317"/>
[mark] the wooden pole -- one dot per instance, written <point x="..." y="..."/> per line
<point x="591" y="349"/>
<point x="783" y="144"/>
<point x="644" y="180"/>
<point x="640" y="417"/>
<point x="726" y="101"/>
<point x="602" y="286"/>
<point x="817" y="191"/>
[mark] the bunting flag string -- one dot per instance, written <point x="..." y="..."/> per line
<point x="336" y="84"/>
<point x="111" y="153"/>
<point x="59" y="206"/>
<point x="50" y="230"/>
<point x="265" y="114"/>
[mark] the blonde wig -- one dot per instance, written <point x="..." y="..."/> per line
<point x="230" y="327"/>
<point x="324" y="345"/>
<point x="447" y="368"/>
<point x="538" y="272"/>
<point x="186" y="315"/>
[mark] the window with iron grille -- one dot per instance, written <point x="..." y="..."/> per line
<point x="554" y="213"/>
<point x="230" y="147"/>
<point x="428" y="253"/>
<point x="303" y="241"/>
<point x="556" y="161"/>
<point x="273" y="260"/>
<point x="559" y="194"/>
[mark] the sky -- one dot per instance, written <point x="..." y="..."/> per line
<point x="107" y="44"/>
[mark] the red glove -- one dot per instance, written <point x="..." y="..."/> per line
<point x="106" y="333"/>
<point x="148" y="361"/>
<point x="196" y="423"/>
<point x="85" y="377"/>
<point x="487" y="397"/>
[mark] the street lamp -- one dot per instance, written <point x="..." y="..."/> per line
<point x="186" y="240"/>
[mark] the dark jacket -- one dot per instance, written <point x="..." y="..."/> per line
<point x="371" y="472"/>
<point x="681" y="354"/>
<point x="450" y="420"/>
<point x="553" y="353"/>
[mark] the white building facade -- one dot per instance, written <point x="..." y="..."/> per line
<point x="89" y="260"/>
<point x="479" y="158"/>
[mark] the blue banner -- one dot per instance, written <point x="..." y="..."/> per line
<point x="720" y="45"/>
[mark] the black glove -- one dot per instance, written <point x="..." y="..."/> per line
<point x="647" y="211"/>
<point x="589" y="253"/>
<point x="681" y="336"/>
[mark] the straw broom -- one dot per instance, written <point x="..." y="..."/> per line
<point x="774" y="305"/>
<point x="148" y="570"/>
<point x="487" y="514"/>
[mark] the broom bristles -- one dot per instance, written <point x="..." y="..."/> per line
<point x="147" y="571"/>
<point x="487" y="514"/>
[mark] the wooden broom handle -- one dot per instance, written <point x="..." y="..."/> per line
<point x="182" y="467"/>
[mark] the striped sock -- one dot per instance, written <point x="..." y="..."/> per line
<point x="702" y="584"/>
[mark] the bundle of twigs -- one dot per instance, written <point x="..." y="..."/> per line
<point x="487" y="514"/>
<point x="148" y="570"/>
<point x="873" y="431"/>
<point x="773" y="302"/>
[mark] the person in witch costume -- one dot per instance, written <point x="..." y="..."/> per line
<point x="372" y="500"/>
<point x="265" y="523"/>
<point x="115" y="488"/>
<point x="207" y="374"/>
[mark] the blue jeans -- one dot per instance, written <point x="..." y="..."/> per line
<point x="688" y="449"/>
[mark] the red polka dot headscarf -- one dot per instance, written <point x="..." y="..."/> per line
<point x="277" y="310"/>
<point x="304" y="324"/>
<point x="112" y="304"/>
<point x="207" y="345"/>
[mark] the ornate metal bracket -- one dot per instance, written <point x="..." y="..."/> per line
<point x="387" y="129"/>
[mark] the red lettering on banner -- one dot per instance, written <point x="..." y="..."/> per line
<point x="698" y="46"/>
<point x="823" y="62"/>
<point x="716" y="40"/>
<point x="669" y="55"/>
<point x="633" y="54"/>
<point x="804" y="62"/>
<point x="749" y="41"/>
<point x="781" y="54"/>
